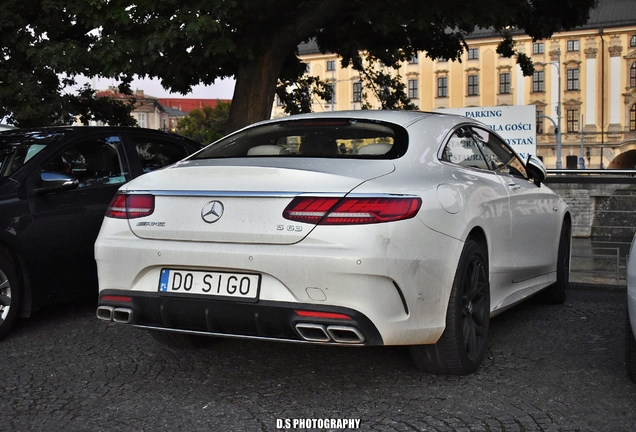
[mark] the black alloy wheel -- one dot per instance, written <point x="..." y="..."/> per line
<point x="9" y="294"/>
<point x="557" y="292"/>
<point x="475" y="309"/>
<point x="462" y="346"/>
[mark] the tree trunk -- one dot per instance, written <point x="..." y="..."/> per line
<point x="256" y="79"/>
<point x="254" y="90"/>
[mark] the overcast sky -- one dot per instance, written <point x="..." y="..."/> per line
<point x="221" y="89"/>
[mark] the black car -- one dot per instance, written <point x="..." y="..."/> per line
<point x="55" y="186"/>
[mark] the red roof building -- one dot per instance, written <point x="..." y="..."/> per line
<point x="159" y="113"/>
<point x="188" y="104"/>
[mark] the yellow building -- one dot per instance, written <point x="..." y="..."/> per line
<point x="596" y="64"/>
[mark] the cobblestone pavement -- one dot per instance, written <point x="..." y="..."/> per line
<point x="548" y="368"/>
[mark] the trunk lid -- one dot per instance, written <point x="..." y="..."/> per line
<point x="240" y="202"/>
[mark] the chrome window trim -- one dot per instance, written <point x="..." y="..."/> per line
<point x="265" y="194"/>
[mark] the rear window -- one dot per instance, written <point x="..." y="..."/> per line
<point x="16" y="149"/>
<point x="331" y="138"/>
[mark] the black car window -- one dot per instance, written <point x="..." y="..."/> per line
<point x="337" y="138"/>
<point x="17" y="148"/>
<point x="95" y="161"/>
<point x="500" y="157"/>
<point x="462" y="149"/>
<point x="155" y="154"/>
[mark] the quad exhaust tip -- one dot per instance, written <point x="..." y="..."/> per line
<point x="112" y="314"/>
<point x="105" y="313"/>
<point x="321" y="333"/>
<point x="345" y="334"/>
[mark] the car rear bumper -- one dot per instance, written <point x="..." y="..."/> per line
<point x="402" y="289"/>
<point x="262" y="320"/>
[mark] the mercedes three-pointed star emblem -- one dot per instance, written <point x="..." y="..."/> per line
<point x="212" y="211"/>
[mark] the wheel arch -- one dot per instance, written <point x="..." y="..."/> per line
<point x="478" y="235"/>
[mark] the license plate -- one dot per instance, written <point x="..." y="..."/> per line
<point x="235" y="285"/>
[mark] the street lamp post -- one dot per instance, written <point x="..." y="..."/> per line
<point x="558" y="110"/>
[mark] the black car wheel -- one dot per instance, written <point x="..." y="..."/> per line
<point x="461" y="348"/>
<point x="630" y="352"/>
<point x="557" y="292"/>
<point x="9" y="293"/>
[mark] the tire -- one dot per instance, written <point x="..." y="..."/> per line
<point x="557" y="292"/>
<point x="461" y="348"/>
<point x="182" y="340"/>
<point x="9" y="293"/>
<point x="630" y="352"/>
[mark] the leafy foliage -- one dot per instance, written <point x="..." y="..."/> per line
<point x="205" y="125"/>
<point x="44" y="45"/>
<point x="296" y="95"/>
<point x="387" y="88"/>
<point x="188" y="42"/>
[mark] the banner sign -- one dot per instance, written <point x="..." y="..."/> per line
<point x="515" y="124"/>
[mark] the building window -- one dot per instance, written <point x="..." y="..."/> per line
<point x="413" y="94"/>
<point x="331" y="65"/>
<point x="538" y="81"/>
<point x="538" y="48"/>
<point x="473" y="53"/>
<point x="141" y="120"/>
<point x="539" y="121"/>
<point x="413" y="59"/>
<point x="504" y="83"/>
<point x="332" y="99"/>
<point x="442" y="87"/>
<point x="573" y="79"/>
<point x="357" y="91"/>
<point x="632" y="118"/>
<point x="632" y="75"/>
<point x="573" y="45"/>
<point x="473" y="85"/>
<point x="442" y="59"/>
<point x="632" y="41"/>
<point x="573" y="121"/>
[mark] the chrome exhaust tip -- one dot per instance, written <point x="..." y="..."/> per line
<point x="312" y="332"/>
<point x="105" y="313"/>
<point x="123" y="315"/>
<point x="345" y="334"/>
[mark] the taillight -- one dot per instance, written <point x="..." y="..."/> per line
<point x="131" y="206"/>
<point x="351" y="211"/>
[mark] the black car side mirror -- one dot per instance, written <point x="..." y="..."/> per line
<point x="536" y="170"/>
<point x="53" y="181"/>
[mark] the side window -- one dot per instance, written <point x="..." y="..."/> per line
<point x="154" y="154"/>
<point x="462" y="149"/>
<point x="94" y="162"/>
<point x="500" y="157"/>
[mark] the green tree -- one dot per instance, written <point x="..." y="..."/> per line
<point x="188" y="42"/>
<point x="44" y="46"/>
<point x="205" y="125"/>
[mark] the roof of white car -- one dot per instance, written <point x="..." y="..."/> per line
<point x="402" y="118"/>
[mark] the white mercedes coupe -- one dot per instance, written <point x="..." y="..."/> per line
<point x="344" y="228"/>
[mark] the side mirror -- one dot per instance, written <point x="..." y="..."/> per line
<point x="53" y="181"/>
<point x="536" y="170"/>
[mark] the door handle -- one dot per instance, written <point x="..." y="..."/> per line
<point x="514" y="187"/>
